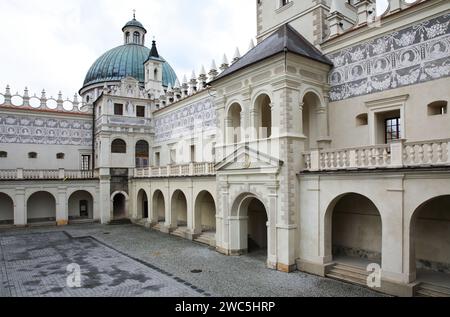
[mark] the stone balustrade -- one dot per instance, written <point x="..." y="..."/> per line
<point x="395" y="155"/>
<point x="186" y="170"/>
<point x="57" y="174"/>
<point x="42" y="102"/>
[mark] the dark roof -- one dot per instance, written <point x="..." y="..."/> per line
<point x="134" y="23"/>
<point x="285" y="39"/>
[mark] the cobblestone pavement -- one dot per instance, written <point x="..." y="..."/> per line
<point x="35" y="265"/>
<point x="134" y="261"/>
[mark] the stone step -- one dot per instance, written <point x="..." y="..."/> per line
<point x="120" y="222"/>
<point x="157" y="227"/>
<point x="354" y="275"/>
<point x="432" y="290"/>
<point x="347" y="278"/>
<point x="352" y="271"/>
<point x="178" y="233"/>
<point x="204" y="239"/>
<point x="42" y="224"/>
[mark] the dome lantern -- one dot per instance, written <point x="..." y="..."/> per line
<point x="134" y="32"/>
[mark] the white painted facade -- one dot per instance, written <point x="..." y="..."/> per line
<point x="288" y="153"/>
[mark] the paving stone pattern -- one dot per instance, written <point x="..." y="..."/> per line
<point x="129" y="260"/>
<point x="35" y="265"/>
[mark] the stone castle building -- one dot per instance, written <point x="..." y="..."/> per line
<point x="326" y="144"/>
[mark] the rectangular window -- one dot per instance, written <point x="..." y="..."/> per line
<point x="140" y="111"/>
<point x="157" y="159"/>
<point x="118" y="109"/>
<point x="193" y="153"/>
<point x="393" y="129"/>
<point x="85" y="162"/>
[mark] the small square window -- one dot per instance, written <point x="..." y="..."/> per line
<point x="437" y="108"/>
<point x="60" y="156"/>
<point x="32" y="155"/>
<point x="140" y="111"/>
<point x="3" y="154"/>
<point x="118" y="109"/>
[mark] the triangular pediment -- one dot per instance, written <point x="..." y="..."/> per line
<point x="247" y="159"/>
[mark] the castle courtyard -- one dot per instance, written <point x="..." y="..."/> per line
<point x="132" y="261"/>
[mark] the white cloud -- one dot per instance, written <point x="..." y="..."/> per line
<point x="51" y="44"/>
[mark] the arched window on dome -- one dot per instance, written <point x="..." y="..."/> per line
<point x="127" y="37"/>
<point x="136" y="38"/>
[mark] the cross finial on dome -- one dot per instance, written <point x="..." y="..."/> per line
<point x="134" y="14"/>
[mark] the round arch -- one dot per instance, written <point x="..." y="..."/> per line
<point x="234" y="117"/>
<point x="249" y="224"/>
<point x="429" y="238"/>
<point x="41" y="207"/>
<point x="6" y="209"/>
<point x="263" y="116"/>
<point x="159" y="206"/>
<point x="353" y="228"/>
<point x="205" y="212"/>
<point x="142" y="154"/>
<point x="142" y="205"/>
<point x="119" y="205"/>
<point x="311" y="103"/>
<point x="81" y="205"/>
<point x="118" y="146"/>
<point x="179" y="207"/>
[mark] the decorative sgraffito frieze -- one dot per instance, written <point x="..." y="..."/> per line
<point x="413" y="55"/>
<point x="199" y="116"/>
<point x="49" y="131"/>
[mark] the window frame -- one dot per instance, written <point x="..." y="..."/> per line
<point x="140" y="108"/>
<point x="118" y="148"/>
<point x="398" y="128"/>
<point x="118" y="113"/>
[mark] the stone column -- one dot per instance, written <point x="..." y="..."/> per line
<point x="106" y="212"/>
<point x="300" y="121"/>
<point x="193" y="229"/>
<point x="254" y="125"/>
<point x="221" y="216"/>
<point x="20" y="208"/>
<point x="323" y="140"/>
<point x="171" y="223"/>
<point x="62" y="210"/>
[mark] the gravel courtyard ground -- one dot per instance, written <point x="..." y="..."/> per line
<point x="134" y="261"/>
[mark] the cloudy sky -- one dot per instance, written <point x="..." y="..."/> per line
<point x="52" y="43"/>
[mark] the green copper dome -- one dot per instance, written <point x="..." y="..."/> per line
<point x="123" y="61"/>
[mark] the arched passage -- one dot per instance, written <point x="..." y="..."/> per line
<point x="263" y="119"/>
<point x="205" y="212"/>
<point x="354" y="229"/>
<point x="142" y="154"/>
<point x="430" y="239"/>
<point x="179" y="209"/>
<point x="311" y="104"/>
<point x="159" y="206"/>
<point x="119" y="206"/>
<point x="142" y="205"/>
<point x="41" y="207"/>
<point x="235" y="124"/>
<point x="249" y="225"/>
<point x="81" y="205"/>
<point x="6" y="210"/>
